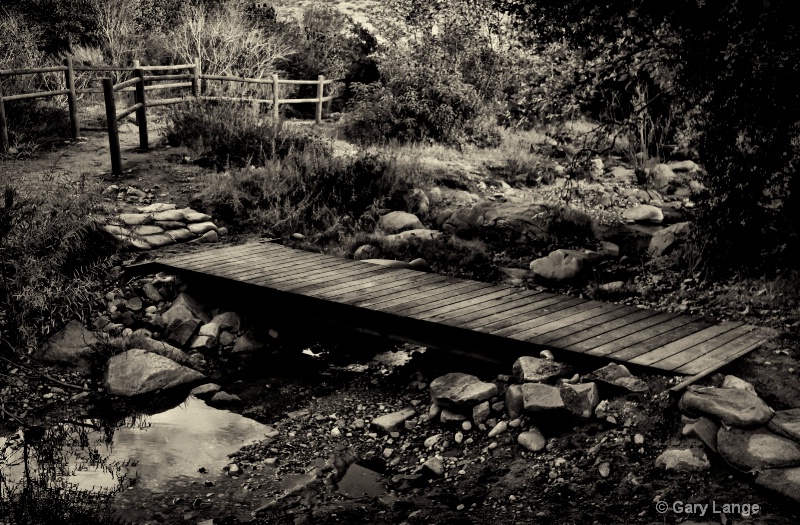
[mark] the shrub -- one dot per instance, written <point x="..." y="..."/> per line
<point x="52" y="254"/>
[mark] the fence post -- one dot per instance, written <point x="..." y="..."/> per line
<point x="136" y="65"/>
<point x="196" y="79"/>
<point x="141" y="113"/>
<point x="320" y="91"/>
<point x="72" y="99"/>
<point x="276" y="113"/>
<point x="4" y="145"/>
<point x="113" y="132"/>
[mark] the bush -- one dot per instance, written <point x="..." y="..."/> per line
<point x="52" y="254"/>
<point x="230" y="134"/>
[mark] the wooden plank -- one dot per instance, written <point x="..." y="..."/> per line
<point x="623" y="342"/>
<point x="388" y="281"/>
<point x="594" y="331"/>
<point x="286" y="262"/>
<point x="384" y="292"/>
<point x="535" y="304"/>
<point x="323" y="275"/>
<point x="590" y="322"/>
<point x="388" y="275"/>
<point x="675" y="334"/>
<point x="216" y="254"/>
<point x="243" y="257"/>
<point x="724" y="354"/>
<point x="689" y="341"/>
<point x="695" y="352"/>
<point x="622" y="331"/>
<point x="526" y="297"/>
<point x="531" y="313"/>
<point x="526" y="329"/>
<point x="322" y="288"/>
<point x="288" y="272"/>
<point x="464" y="295"/>
<point x="286" y="280"/>
<point x="446" y="286"/>
<point x="569" y="318"/>
<point x="485" y="300"/>
<point x="437" y="297"/>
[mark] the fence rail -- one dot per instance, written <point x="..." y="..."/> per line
<point x="142" y="83"/>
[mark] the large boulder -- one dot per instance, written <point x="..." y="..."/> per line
<point x="560" y="265"/>
<point x="183" y="308"/>
<point x="537" y="397"/>
<point x="786" y="423"/>
<point x="661" y="177"/>
<point x="514" y="219"/>
<point x="398" y="221"/>
<point x="731" y="406"/>
<point x="72" y="347"/>
<point x="644" y="213"/>
<point x="137" y="372"/>
<point x="756" y="449"/>
<point x="581" y="399"/>
<point x="666" y="239"/>
<point x="458" y="391"/>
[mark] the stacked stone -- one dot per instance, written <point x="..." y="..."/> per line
<point x="734" y="423"/>
<point x="162" y="224"/>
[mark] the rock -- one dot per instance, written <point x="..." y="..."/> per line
<point x="703" y="429"/>
<point x="580" y="399"/>
<point x="515" y="403"/>
<point x="226" y="338"/>
<point x="683" y="460"/>
<point x="786" y="423"/>
<point x="165" y="349"/>
<point x="152" y="293"/>
<point x="619" y="375"/>
<point x="457" y="390"/>
<point x="421" y="234"/>
<point x="171" y="225"/>
<point x="529" y="369"/>
<point x="72" y="347"/>
<point x="613" y="287"/>
<point x="234" y="470"/>
<point x="756" y="449"/>
<point x="157" y="207"/>
<point x="398" y="221"/>
<point x="604" y="469"/>
<point x="137" y="372"/>
<point x="558" y="266"/>
<point x="683" y="165"/>
<point x="449" y="416"/>
<point x="623" y="174"/>
<point x="203" y="342"/>
<point x="434" y="466"/>
<point x="135" y="219"/>
<point x="209" y="237"/>
<point x="532" y="440"/>
<point x="661" y="176"/>
<point x="666" y="239"/>
<point x="189" y="215"/>
<point x="185" y="300"/>
<point x="180" y="235"/>
<point x="431" y="441"/>
<point x="480" y="412"/>
<point x="248" y="342"/>
<point x="417" y="201"/>
<point x="644" y="213"/>
<point x="134" y="304"/>
<point x="367" y="251"/>
<point x="200" y="228"/>
<point x="118" y="231"/>
<point x="100" y="322"/>
<point x="734" y="382"/>
<point x="732" y="406"/>
<point x="609" y="248"/>
<point x="223" y="398"/>
<point x="419" y="264"/>
<point x="498" y="429"/>
<point x="147" y="230"/>
<point x="205" y="391"/>
<point x="537" y="397"/>
<point x="183" y="332"/>
<point x="785" y="481"/>
<point x="169" y="215"/>
<point x="389" y="423"/>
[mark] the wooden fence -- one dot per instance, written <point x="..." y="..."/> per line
<point x="145" y="80"/>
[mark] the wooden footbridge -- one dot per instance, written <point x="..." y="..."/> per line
<point x="494" y="322"/>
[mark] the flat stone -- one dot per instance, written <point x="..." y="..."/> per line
<point x="116" y="230"/>
<point x="537" y="397"/>
<point x="158" y="240"/>
<point x="732" y="406"/>
<point x="137" y="372"/>
<point x="190" y="215"/>
<point x="683" y="460"/>
<point x="147" y="230"/>
<point x="756" y="449"/>
<point x="199" y="228"/>
<point x="205" y="391"/>
<point x="72" y="347"/>
<point x="223" y="398"/>
<point x="168" y="215"/>
<point x="666" y="239"/>
<point x="398" y="221"/>
<point x="157" y="207"/>
<point x="786" y="423"/>
<point x="532" y="440"/>
<point x="529" y="369"/>
<point x="134" y="304"/>
<point x="784" y="481"/>
<point x="389" y="423"/>
<point x="644" y="213"/>
<point x="580" y="399"/>
<point x="449" y="416"/>
<point x="619" y="375"/>
<point x="135" y="219"/>
<point x="170" y="225"/>
<point x="180" y="235"/>
<point x="457" y="390"/>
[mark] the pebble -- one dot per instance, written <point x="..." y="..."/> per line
<point x="431" y="441"/>
<point x="466" y="425"/>
<point x="498" y="429"/>
<point x="387" y="452"/>
<point x="638" y="439"/>
<point x="459" y="437"/>
<point x="604" y="469"/>
<point x="335" y="432"/>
